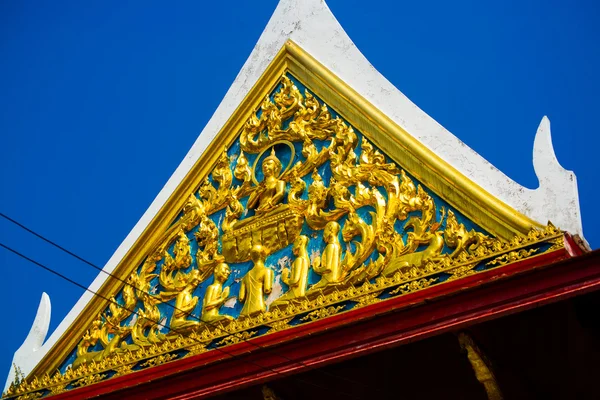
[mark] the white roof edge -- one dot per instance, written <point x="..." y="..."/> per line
<point x="34" y="340"/>
<point x="311" y="25"/>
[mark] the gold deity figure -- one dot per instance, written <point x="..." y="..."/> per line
<point x="297" y="277"/>
<point x="271" y="190"/>
<point x="216" y="295"/>
<point x="183" y="258"/>
<point x="185" y="303"/>
<point x="329" y="264"/>
<point x="257" y="283"/>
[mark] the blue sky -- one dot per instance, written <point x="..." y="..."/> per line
<point x="100" y="101"/>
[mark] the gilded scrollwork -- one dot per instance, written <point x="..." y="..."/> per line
<point x="331" y="224"/>
<point x="30" y="396"/>
<point x="158" y="360"/>
<point x="322" y="313"/>
<point x="512" y="256"/>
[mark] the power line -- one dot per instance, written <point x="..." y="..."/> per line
<point x="166" y="303"/>
<point x="55" y="245"/>
<point x="232" y="356"/>
<point x="169" y="304"/>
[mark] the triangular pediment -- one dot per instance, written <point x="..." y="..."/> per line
<point x="309" y="203"/>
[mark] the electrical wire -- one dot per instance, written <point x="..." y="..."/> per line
<point x="232" y="356"/>
<point x="31" y="231"/>
<point x="167" y="304"/>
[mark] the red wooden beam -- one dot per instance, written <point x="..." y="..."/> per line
<point x="444" y="307"/>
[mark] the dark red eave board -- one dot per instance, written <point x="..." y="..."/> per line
<point x="445" y="307"/>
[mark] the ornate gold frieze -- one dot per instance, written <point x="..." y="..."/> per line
<point x="322" y="313"/>
<point x="196" y="344"/>
<point x="301" y="219"/>
<point x="153" y="362"/>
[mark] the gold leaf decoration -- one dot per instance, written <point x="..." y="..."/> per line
<point x="301" y="178"/>
<point x="153" y="362"/>
<point x="512" y="256"/>
<point x="322" y="313"/>
<point x="88" y="380"/>
<point x="237" y="338"/>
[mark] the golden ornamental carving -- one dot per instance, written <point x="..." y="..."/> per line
<point x="159" y="360"/>
<point x="57" y="389"/>
<point x="512" y="256"/>
<point x="557" y="243"/>
<point x="88" y="380"/>
<point x="304" y="206"/>
<point x="236" y="338"/>
<point x="197" y="349"/>
<point x="124" y="370"/>
<point x="462" y="271"/>
<point x="414" y="286"/>
<point x="280" y="325"/>
<point x="322" y="313"/>
<point x="367" y="299"/>
<point x="30" y="396"/>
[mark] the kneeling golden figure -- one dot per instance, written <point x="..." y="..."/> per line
<point x="185" y="304"/>
<point x="297" y="277"/>
<point x="216" y="295"/>
<point x="329" y="266"/>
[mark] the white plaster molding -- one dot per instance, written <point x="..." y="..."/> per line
<point x="557" y="198"/>
<point x="310" y="24"/>
<point x="33" y="341"/>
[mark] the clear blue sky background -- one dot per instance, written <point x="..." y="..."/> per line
<point x="99" y="102"/>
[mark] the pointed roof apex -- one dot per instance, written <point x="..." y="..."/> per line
<point x="311" y="25"/>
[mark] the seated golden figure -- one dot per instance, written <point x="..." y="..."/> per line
<point x="329" y="264"/>
<point x="216" y="295"/>
<point x="269" y="193"/>
<point x="257" y="283"/>
<point x="274" y="226"/>
<point x="297" y="278"/>
<point x="185" y="303"/>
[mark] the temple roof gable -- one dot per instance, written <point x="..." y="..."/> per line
<point x="309" y="142"/>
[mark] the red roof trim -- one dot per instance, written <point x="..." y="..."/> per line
<point x="444" y="307"/>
